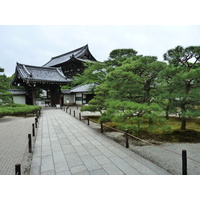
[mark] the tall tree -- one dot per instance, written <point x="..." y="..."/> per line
<point x="5" y="96"/>
<point x="186" y="80"/>
<point x="117" y="56"/>
<point x="136" y="80"/>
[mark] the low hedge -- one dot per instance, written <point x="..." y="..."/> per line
<point x="17" y="109"/>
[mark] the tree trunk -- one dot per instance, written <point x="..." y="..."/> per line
<point x="183" y="123"/>
<point x="183" y="118"/>
<point x="167" y="113"/>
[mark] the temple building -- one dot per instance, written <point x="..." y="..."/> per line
<point x="59" y="71"/>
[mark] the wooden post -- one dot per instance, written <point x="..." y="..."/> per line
<point x="184" y="162"/>
<point x="33" y="129"/>
<point x="126" y="138"/>
<point x="29" y="143"/>
<point x="80" y="116"/>
<point x="101" y="127"/>
<point x="17" y="169"/>
<point x="35" y="122"/>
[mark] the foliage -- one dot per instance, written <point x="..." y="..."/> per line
<point x="95" y="72"/>
<point x="98" y="103"/>
<point x="17" y="109"/>
<point x="134" y="116"/>
<point x="117" y="56"/>
<point x="185" y="66"/>
<point x="5" y="96"/>
<point x="136" y="91"/>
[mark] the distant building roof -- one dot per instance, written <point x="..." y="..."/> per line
<point x="83" y="54"/>
<point x="17" y="91"/>
<point x="39" y="74"/>
<point x="65" y="91"/>
<point x="82" y="88"/>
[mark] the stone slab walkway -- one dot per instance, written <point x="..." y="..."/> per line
<point x="66" y="146"/>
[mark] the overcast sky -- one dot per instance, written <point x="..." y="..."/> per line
<point x="35" y="45"/>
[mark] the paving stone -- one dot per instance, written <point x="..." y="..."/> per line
<point x="51" y="172"/>
<point x="73" y="159"/>
<point x="82" y="173"/>
<point x="78" y="169"/>
<point x="62" y="166"/>
<point x="118" y="152"/>
<point x="35" y="170"/>
<point x="98" y="172"/>
<point x="47" y="163"/>
<point x="111" y="169"/>
<point x="81" y="150"/>
<point x="124" y="166"/>
<point x="64" y="141"/>
<point x="101" y="159"/>
<point x="36" y="161"/>
<point x="106" y="151"/>
<point x="140" y="167"/>
<point x="58" y="156"/>
<point x="63" y="173"/>
<point x="95" y="152"/>
<point x="90" y="162"/>
<point x="67" y="149"/>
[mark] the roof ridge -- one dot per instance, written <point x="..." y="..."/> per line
<point x="80" y="48"/>
<point x="32" y="66"/>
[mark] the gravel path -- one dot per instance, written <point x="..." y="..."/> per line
<point x="170" y="161"/>
<point x="13" y="144"/>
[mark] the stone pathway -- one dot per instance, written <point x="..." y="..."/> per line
<point x="13" y="143"/>
<point x="66" y="146"/>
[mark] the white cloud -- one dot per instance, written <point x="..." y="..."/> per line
<point x="35" y="45"/>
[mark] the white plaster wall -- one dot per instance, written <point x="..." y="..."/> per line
<point x="19" y="99"/>
<point x="70" y="97"/>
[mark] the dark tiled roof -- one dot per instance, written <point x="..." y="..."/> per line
<point x="82" y="88"/>
<point x="77" y="54"/>
<point x="40" y="74"/>
<point x="17" y="91"/>
<point x="65" y="91"/>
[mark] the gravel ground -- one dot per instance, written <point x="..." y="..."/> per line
<point x="167" y="155"/>
<point x="14" y="144"/>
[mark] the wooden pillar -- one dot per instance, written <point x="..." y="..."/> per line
<point x="60" y="98"/>
<point x="33" y="96"/>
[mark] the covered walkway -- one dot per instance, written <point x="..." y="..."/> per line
<point x="66" y="146"/>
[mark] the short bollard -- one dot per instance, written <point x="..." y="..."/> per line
<point x="126" y="137"/>
<point x="70" y="111"/>
<point x="184" y="162"/>
<point x="101" y="127"/>
<point x="74" y="113"/>
<point x="36" y="122"/>
<point x="29" y="143"/>
<point x="80" y="116"/>
<point x="88" y="121"/>
<point x="33" y="130"/>
<point x="17" y="169"/>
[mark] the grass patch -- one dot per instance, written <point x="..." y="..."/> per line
<point x="192" y="134"/>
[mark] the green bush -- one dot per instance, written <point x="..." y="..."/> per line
<point x="17" y="109"/>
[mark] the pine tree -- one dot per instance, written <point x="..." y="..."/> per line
<point x="185" y="66"/>
<point x="5" y="96"/>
